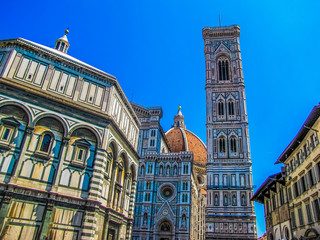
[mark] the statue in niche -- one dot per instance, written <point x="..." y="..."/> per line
<point x="184" y="220"/>
<point x="225" y="199"/>
<point x="145" y="218"/>
<point x="234" y="200"/>
<point x="216" y="200"/>
<point x="175" y="170"/>
<point x="243" y="199"/>
<point x="160" y="170"/>
<point x="168" y="170"/>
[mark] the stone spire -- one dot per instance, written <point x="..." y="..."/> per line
<point x="179" y="120"/>
<point x="62" y="43"/>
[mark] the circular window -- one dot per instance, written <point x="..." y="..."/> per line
<point x="167" y="192"/>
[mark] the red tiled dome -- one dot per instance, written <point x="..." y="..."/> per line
<point x="181" y="139"/>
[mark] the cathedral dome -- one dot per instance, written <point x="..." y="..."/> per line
<point x="181" y="139"/>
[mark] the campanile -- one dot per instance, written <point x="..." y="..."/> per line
<point x="230" y="213"/>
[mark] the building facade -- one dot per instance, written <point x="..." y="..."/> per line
<point x="170" y="199"/>
<point x="68" y="140"/>
<point x="230" y="213"/>
<point x="273" y="194"/>
<point x="292" y="209"/>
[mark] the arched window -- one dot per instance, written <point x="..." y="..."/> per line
<point x="175" y="170"/>
<point x="46" y="141"/>
<point x="223" y="65"/>
<point x="222" y="145"/>
<point x="231" y="107"/>
<point x="120" y="173"/>
<point x="142" y="170"/>
<point x="233" y="145"/>
<point x="220" y="108"/>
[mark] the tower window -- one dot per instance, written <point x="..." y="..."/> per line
<point x="220" y="108"/>
<point x="153" y="133"/>
<point x="185" y="169"/>
<point x="231" y="107"/>
<point x="233" y="145"/>
<point x="223" y="69"/>
<point x="62" y="47"/>
<point x="222" y="145"/>
<point x="58" y="45"/>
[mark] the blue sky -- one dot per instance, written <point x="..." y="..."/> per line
<point x="155" y="49"/>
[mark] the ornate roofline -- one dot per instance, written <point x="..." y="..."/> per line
<point x="306" y="127"/>
<point x="224" y="31"/>
<point x="51" y="52"/>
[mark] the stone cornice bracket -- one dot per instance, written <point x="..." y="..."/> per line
<point x="65" y="140"/>
<point x="29" y="130"/>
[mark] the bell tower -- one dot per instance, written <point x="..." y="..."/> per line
<point x="229" y="213"/>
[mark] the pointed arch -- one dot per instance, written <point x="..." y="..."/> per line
<point x="223" y="65"/>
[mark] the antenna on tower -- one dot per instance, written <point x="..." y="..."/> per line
<point x="219" y="20"/>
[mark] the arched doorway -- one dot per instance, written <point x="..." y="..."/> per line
<point x="311" y="234"/>
<point x="165" y="230"/>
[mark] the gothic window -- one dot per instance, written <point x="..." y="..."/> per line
<point x="231" y="107"/>
<point x="184" y="197"/>
<point x="220" y="107"/>
<point x="152" y="142"/>
<point x="185" y="169"/>
<point x="233" y="145"/>
<point x="153" y="133"/>
<point x="185" y="186"/>
<point x="149" y="168"/>
<point x="148" y="185"/>
<point x="222" y="146"/>
<point x="142" y="170"/>
<point x="147" y="197"/>
<point x="223" y="66"/>
<point x="175" y="170"/>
